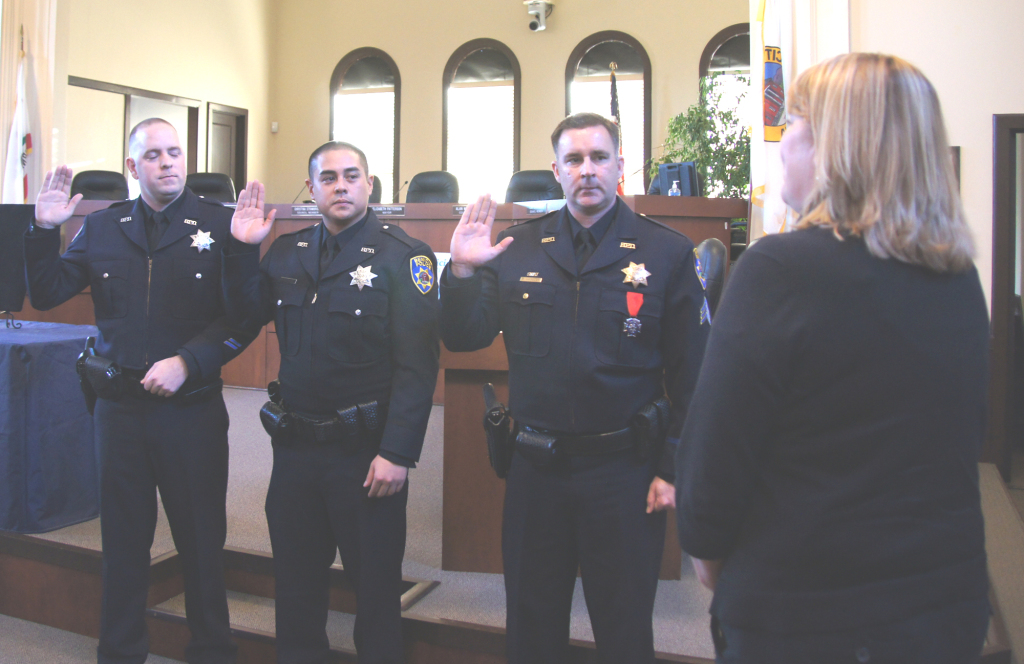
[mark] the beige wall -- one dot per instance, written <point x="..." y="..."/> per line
<point x="311" y="36"/>
<point x="210" y="51"/>
<point x="974" y="55"/>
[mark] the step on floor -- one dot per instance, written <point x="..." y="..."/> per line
<point x="23" y="642"/>
<point x="257" y="613"/>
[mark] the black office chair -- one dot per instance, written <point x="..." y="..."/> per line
<point x="375" y="193"/>
<point x="713" y="258"/>
<point x="215" y="186"/>
<point x="100" y="185"/>
<point x="533" y="186"/>
<point x="433" y="187"/>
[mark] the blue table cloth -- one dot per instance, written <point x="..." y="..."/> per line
<point x="49" y="462"/>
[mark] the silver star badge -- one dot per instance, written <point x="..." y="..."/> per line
<point x="362" y="277"/>
<point x="635" y="274"/>
<point x="202" y="241"/>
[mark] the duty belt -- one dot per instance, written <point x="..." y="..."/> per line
<point x="187" y="393"/>
<point x="591" y="444"/>
<point x="353" y="427"/>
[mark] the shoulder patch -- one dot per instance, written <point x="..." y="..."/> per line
<point x="422" y="271"/>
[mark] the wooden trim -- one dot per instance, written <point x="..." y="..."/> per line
<point x="574" y="62"/>
<point x="128" y="91"/>
<point x="193" y="140"/>
<point x="1005" y="129"/>
<point x="716" y="42"/>
<point x="241" y="133"/>
<point x="338" y="75"/>
<point x="460" y="54"/>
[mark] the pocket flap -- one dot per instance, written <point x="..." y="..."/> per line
<point x="289" y="295"/>
<point x="115" y="269"/>
<point x="191" y="268"/>
<point x="525" y="293"/>
<point x="354" y="302"/>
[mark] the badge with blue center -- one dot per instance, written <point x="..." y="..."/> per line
<point x="422" y="273"/>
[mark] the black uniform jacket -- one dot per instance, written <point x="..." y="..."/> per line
<point x="342" y="345"/>
<point x="572" y="367"/>
<point x="148" y="307"/>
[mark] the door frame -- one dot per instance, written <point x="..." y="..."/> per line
<point x="1005" y="129"/>
<point x="241" y="139"/>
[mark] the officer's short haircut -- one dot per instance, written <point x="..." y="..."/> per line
<point x="582" y="121"/>
<point x="339" y="145"/>
<point x="133" y="139"/>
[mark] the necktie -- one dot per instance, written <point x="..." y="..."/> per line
<point x="584" y="246"/>
<point x="155" y="230"/>
<point x="327" y="252"/>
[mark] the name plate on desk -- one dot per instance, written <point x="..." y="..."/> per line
<point x="457" y="210"/>
<point x="388" y="210"/>
<point x="305" y="211"/>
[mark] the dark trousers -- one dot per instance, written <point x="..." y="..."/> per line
<point x="317" y="505"/>
<point x="952" y="634"/>
<point x="183" y="451"/>
<point x="587" y="513"/>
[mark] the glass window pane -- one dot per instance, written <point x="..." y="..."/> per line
<point x="595" y="97"/>
<point x="481" y="133"/>
<point x="367" y="120"/>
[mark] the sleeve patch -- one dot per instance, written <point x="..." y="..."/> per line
<point x="422" y="270"/>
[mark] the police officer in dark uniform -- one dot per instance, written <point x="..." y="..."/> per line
<point x="154" y="267"/>
<point x="602" y="313"/>
<point x="355" y="310"/>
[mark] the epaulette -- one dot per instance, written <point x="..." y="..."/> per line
<point x="210" y="201"/>
<point x="300" y="230"/>
<point x="658" y="223"/>
<point x="395" y="231"/>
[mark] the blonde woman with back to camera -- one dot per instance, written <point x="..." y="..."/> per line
<point x="828" y="479"/>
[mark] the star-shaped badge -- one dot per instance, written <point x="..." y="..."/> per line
<point x="635" y="274"/>
<point x="202" y="240"/>
<point x="362" y="277"/>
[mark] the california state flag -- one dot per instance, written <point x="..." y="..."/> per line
<point x="769" y="46"/>
<point x="19" y="147"/>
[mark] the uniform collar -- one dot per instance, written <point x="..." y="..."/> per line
<point x="611" y="248"/>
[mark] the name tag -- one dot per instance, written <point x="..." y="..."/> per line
<point x="535" y="280"/>
<point x="627" y="245"/>
<point x="303" y="244"/>
<point x="367" y="250"/>
<point x="547" y="239"/>
<point x="190" y="222"/>
<point x="124" y="219"/>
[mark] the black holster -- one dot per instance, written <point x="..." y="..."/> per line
<point x="650" y="425"/>
<point x="98" y="376"/>
<point x="496" y="426"/>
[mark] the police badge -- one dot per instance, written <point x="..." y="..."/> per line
<point x="422" y="271"/>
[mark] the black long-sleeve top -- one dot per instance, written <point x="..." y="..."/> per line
<point x="149" y="305"/>
<point x="572" y="366"/>
<point x="831" y="452"/>
<point x="364" y="329"/>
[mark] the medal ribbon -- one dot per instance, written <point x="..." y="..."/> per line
<point x="633" y="302"/>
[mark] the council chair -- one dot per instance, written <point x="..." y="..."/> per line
<point x="433" y="187"/>
<point x="100" y="186"/>
<point x="713" y="257"/>
<point x="539" y="185"/>
<point x="215" y="186"/>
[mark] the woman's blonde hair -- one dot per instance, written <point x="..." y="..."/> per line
<point x="883" y="169"/>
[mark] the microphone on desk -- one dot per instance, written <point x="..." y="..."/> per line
<point x="298" y="194"/>
<point x="400" y="190"/>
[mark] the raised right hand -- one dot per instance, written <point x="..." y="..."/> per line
<point x="54" y="205"/>
<point x="247" y="223"/>
<point x="471" y="241"/>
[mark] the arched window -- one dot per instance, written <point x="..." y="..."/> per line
<point x="480" y="123"/>
<point x="727" y="57"/>
<point x="366" y="93"/>
<point x="588" y="88"/>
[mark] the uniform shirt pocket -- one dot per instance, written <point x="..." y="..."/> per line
<point x="109" y="282"/>
<point x="358" y="325"/>
<point x="288" y="319"/>
<point x="196" y="291"/>
<point x="527" y="318"/>
<point x="613" y="345"/>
